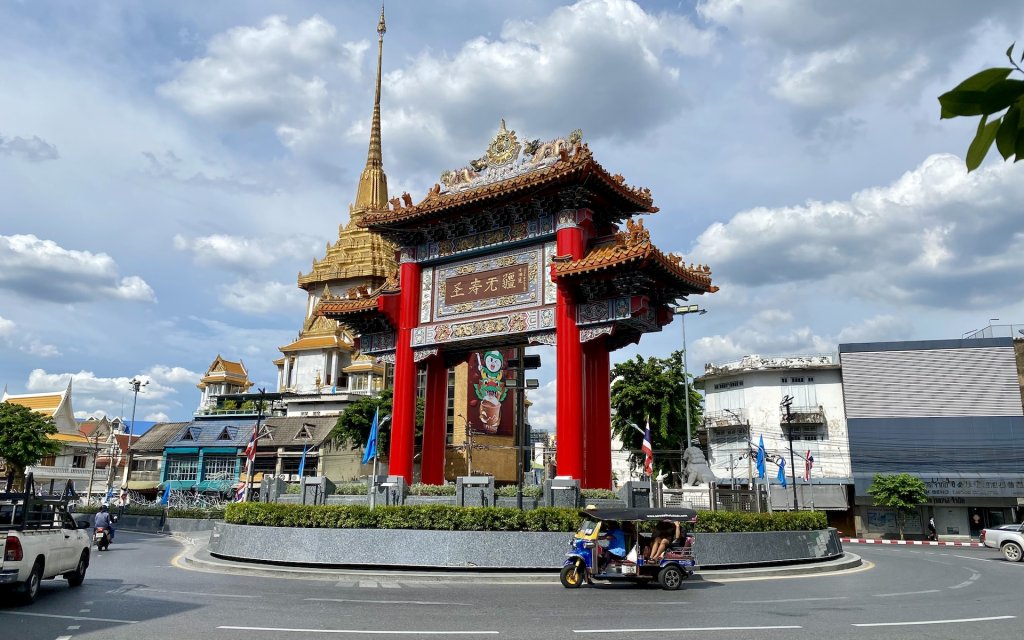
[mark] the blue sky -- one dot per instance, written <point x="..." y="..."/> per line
<point x="168" y="168"/>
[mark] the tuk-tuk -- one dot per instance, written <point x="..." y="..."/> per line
<point x="618" y="544"/>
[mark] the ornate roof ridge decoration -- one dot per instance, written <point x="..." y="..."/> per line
<point x="358" y="252"/>
<point x="357" y="299"/>
<point x="508" y="167"/>
<point x="634" y="245"/>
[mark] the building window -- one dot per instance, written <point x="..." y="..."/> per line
<point x="182" y="467"/>
<point x="48" y="461"/>
<point x="218" y="467"/>
<point x="725" y="436"/>
<point x="807" y="431"/>
<point x="732" y="384"/>
<point x="145" y="465"/>
<point x="79" y="462"/>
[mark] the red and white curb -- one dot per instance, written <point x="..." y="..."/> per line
<point x="930" y="543"/>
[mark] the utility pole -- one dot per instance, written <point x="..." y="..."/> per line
<point x="251" y="471"/>
<point x="681" y="312"/>
<point x="787" y="404"/>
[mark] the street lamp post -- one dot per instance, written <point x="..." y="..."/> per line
<point x="136" y="385"/>
<point x="681" y="312"/>
<point x="787" y="404"/>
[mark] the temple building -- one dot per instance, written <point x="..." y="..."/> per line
<point x="321" y="371"/>
<point x="223" y="377"/>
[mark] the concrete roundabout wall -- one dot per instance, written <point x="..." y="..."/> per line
<point x="507" y="550"/>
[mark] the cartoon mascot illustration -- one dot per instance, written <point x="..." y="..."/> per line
<point x="491" y="389"/>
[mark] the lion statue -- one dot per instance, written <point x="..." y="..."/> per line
<point x="696" y="472"/>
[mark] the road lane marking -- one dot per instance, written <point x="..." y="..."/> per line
<point x="389" y="585"/>
<point x="85" y="611"/>
<point x="423" y="602"/>
<point x="63" y="638"/>
<point x="968" y="581"/>
<point x="786" y="600"/>
<point x="905" y="593"/>
<point x="921" y="622"/>
<point x="54" y="615"/>
<point x="680" y="629"/>
<point x="366" y="584"/>
<point x="197" y="593"/>
<point x="379" y="632"/>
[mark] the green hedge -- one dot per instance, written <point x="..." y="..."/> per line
<point x="213" y="513"/>
<point x="449" y="518"/>
<point x="737" y="521"/>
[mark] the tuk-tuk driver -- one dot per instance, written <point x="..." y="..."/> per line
<point x="616" y="539"/>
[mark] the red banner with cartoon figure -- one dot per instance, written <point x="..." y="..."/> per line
<point x="491" y="402"/>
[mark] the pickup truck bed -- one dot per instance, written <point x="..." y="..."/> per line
<point x="41" y="541"/>
<point x="1009" y="539"/>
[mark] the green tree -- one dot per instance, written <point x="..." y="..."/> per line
<point x="985" y="94"/>
<point x="654" y="390"/>
<point x="352" y="429"/>
<point x="901" y="491"/>
<point x="23" y="438"/>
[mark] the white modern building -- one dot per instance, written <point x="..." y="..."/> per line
<point x="743" y="404"/>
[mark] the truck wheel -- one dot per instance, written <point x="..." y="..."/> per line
<point x="1012" y="552"/>
<point x="572" y="575"/>
<point x="77" y="577"/>
<point x="670" y="577"/>
<point x="30" y="589"/>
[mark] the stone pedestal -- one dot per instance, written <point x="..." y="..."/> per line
<point x="272" y="488"/>
<point x="386" y="490"/>
<point x="315" y="489"/>
<point x="562" y="492"/>
<point x="474" y="491"/>
<point x="636" y="493"/>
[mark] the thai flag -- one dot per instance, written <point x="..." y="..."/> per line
<point x="648" y="451"/>
<point x="240" y="494"/>
<point x="808" y="465"/>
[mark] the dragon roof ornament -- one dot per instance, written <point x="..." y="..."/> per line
<point x="507" y="157"/>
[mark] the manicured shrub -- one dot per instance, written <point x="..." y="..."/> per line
<point x="449" y="518"/>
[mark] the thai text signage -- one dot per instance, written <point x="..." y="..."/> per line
<point x="494" y="283"/>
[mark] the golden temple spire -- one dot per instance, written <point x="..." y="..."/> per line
<point x="372" y="194"/>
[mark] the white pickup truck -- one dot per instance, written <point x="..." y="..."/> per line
<point x="1008" y="538"/>
<point x="42" y="541"/>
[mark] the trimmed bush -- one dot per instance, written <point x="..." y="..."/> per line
<point x="420" y="489"/>
<point x="437" y="517"/>
<point x="348" y="489"/>
<point x="529" y="491"/>
<point x="197" y="513"/>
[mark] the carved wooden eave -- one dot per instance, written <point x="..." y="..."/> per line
<point x="362" y="311"/>
<point x="631" y="263"/>
<point x="575" y="166"/>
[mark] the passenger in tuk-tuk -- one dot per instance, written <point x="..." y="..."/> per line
<point x="667" y="532"/>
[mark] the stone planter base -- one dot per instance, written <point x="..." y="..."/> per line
<point x="500" y="550"/>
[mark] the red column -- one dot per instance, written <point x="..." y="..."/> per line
<point x="434" y="422"/>
<point x="403" y="415"/>
<point x="569" y="367"/>
<point x="598" y="436"/>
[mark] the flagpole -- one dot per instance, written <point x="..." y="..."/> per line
<point x="255" y="435"/>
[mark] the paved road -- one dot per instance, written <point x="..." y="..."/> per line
<point x="135" y="591"/>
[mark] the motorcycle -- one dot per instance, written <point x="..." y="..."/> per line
<point x="101" y="538"/>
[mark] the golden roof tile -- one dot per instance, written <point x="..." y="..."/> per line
<point x="45" y="404"/>
<point x="308" y="343"/>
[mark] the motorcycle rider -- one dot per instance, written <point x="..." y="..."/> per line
<point x="104" y="520"/>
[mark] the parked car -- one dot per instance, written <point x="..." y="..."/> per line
<point x="1008" y="538"/>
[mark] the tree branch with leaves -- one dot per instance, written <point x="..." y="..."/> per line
<point x="986" y="94"/>
<point x="24" y="438"/>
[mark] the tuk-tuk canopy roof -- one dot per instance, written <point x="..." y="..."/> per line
<point x="665" y="513"/>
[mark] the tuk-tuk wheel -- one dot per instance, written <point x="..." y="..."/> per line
<point x="670" y="577"/>
<point x="572" y="576"/>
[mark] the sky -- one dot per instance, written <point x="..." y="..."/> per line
<point x="168" y="168"/>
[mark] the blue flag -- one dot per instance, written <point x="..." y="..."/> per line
<point x="167" y="493"/>
<point x="782" y="472"/>
<point x="302" y="462"/>
<point x="761" y="453"/>
<point x="371" y="444"/>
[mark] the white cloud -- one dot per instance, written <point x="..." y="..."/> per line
<point x="40" y="349"/>
<point x="159" y="416"/>
<point x="596" y="51"/>
<point x="6" y="327"/>
<point x="33" y="149"/>
<point x="237" y="253"/>
<point x="935" y="230"/>
<point x="93" y="395"/>
<point x="542" y="411"/>
<point x="275" y="73"/>
<point x="44" y="270"/>
<point x="877" y="329"/>
<point x="256" y="298"/>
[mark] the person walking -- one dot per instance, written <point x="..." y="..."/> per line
<point x="931" y="529"/>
